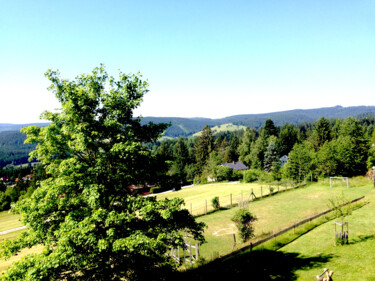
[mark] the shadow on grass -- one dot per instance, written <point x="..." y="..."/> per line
<point x="258" y="265"/>
<point x="361" y="238"/>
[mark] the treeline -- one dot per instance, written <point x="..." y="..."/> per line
<point x="327" y="147"/>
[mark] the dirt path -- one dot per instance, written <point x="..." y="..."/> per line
<point x="11" y="230"/>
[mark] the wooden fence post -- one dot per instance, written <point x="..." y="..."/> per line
<point x="196" y="251"/>
<point x="190" y="256"/>
<point x="234" y="240"/>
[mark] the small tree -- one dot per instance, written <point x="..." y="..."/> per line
<point x="244" y="222"/>
<point x="341" y="209"/>
<point x="215" y="203"/>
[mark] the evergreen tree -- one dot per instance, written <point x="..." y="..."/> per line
<point x="203" y="147"/>
<point x="321" y="133"/>
<point x="271" y="158"/>
<point x="269" y="129"/>
<point x="287" y="138"/>
<point x="244" y="147"/>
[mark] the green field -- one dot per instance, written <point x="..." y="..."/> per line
<point x="195" y="197"/>
<point x="223" y="128"/>
<point x="354" y="261"/>
<point x="9" y="220"/>
<point x="302" y="259"/>
<point x="274" y="213"/>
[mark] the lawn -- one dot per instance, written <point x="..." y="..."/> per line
<point x="195" y="197"/>
<point x="354" y="261"/>
<point x="275" y="212"/>
<point x="9" y="220"/>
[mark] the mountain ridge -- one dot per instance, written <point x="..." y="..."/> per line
<point x="181" y="126"/>
<point x="187" y="126"/>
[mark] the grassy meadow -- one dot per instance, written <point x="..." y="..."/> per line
<point x="195" y="197"/>
<point x="354" y="261"/>
<point x="274" y="213"/>
<point x="9" y="220"/>
<point x="309" y="252"/>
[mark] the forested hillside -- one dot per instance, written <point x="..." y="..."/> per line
<point x="12" y="148"/>
<point x="327" y="147"/>
<point x="189" y="126"/>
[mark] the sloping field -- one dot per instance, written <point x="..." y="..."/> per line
<point x="9" y="220"/>
<point x="195" y="197"/>
<point x="354" y="261"/>
<point x="275" y="212"/>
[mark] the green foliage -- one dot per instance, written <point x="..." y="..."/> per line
<point x="203" y="148"/>
<point x="300" y="161"/>
<point x="288" y="137"/>
<point x="322" y="132"/>
<point x="269" y="129"/>
<point x="5" y="201"/>
<point x="251" y="175"/>
<point x="224" y="173"/>
<point x="83" y="213"/>
<point x="244" y="222"/>
<point x="215" y="203"/>
<point x="271" y="158"/>
<point x="339" y="206"/>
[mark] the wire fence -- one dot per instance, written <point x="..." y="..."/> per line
<point x="241" y="197"/>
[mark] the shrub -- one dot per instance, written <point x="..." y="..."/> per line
<point x="251" y="175"/>
<point x="215" y="203"/>
<point x="244" y="222"/>
<point x="224" y="173"/>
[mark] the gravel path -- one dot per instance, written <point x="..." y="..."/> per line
<point x="11" y="230"/>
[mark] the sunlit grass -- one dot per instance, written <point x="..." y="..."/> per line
<point x="9" y="220"/>
<point x="354" y="261"/>
<point x="274" y="213"/>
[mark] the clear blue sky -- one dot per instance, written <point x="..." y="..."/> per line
<point x="201" y="58"/>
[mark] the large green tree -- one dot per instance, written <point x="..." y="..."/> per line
<point x="203" y="147"/>
<point x="84" y="215"/>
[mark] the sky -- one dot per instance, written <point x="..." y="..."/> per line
<point x="201" y="58"/>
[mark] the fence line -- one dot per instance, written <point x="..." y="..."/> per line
<point x="274" y="235"/>
<point x="243" y="198"/>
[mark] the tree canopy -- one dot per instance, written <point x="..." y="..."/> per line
<point x="91" y="226"/>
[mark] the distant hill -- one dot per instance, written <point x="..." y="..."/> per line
<point x="13" y="150"/>
<point x="190" y="126"/>
<point x="17" y="127"/>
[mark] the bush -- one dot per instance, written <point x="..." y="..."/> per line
<point x="251" y="175"/>
<point x="224" y="173"/>
<point x="265" y="177"/>
<point x="244" y="222"/>
<point x="215" y="203"/>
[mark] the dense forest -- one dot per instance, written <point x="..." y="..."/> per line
<point x="12" y="148"/>
<point x="327" y="147"/>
